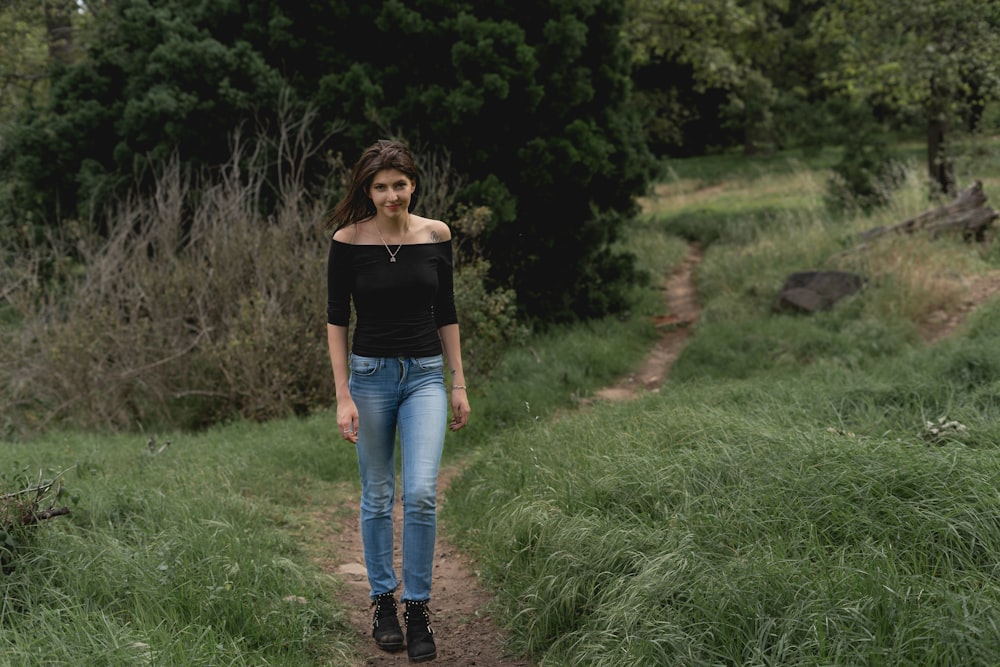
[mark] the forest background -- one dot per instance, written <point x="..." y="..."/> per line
<point x="164" y="170"/>
<point x="164" y="165"/>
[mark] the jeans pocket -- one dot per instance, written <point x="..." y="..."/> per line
<point x="361" y="366"/>
<point x="434" y="363"/>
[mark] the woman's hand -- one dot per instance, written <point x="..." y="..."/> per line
<point x="459" y="409"/>
<point x="347" y="420"/>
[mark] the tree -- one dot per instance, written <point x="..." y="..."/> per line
<point x="703" y="49"/>
<point x="23" y="54"/>
<point x="532" y="104"/>
<point x="931" y="59"/>
<point x="59" y="29"/>
<point x="158" y="77"/>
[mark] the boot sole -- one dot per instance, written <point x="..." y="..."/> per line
<point x="423" y="658"/>
<point x="391" y="647"/>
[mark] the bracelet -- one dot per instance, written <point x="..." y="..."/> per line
<point x="458" y="386"/>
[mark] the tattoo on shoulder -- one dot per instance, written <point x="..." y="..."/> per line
<point x="435" y="237"/>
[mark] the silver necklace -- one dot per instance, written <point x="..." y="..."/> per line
<point x="392" y="255"/>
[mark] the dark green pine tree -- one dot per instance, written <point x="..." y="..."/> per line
<point x="161" y="76"/>
<point x="531" y="101"/>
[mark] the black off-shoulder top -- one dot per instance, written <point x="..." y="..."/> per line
<point x="400" y="305"/>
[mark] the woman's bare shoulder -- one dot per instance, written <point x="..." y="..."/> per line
<point x="348" y="233"/>
<point x="430" y="230"/>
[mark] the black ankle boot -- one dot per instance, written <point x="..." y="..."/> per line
<point x="385" y="624"/>
<point x="419" y="636"/>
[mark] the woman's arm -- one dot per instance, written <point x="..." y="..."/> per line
<point x="347" y="412"/>
<point x="451" y="341"/>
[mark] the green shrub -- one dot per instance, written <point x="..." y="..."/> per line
<point x="865" y="178"/>
<point x="195" y="308"/>
<point x="867" y="174"/>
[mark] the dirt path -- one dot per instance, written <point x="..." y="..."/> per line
<point x="675" y="326"/>
<point x="465" y="635"/>
<point x="978" y="290"/>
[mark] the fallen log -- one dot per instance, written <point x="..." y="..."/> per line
<point x="18" y="511"/>
<point x="34" y="516"/>
<point x="22" y="509"/>
<point x="967" y="214"/>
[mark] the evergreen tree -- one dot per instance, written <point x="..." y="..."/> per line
<point x="532" y="101"/>
<point x="158" y="78"/>
<point x="529" y="100"/>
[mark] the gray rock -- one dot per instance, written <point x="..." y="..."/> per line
<point x="812" y="291"/>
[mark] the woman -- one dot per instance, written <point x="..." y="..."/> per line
<point x="396" y="266"/>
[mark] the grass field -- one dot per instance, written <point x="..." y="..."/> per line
<point x="804" y="490"/>
<point x="791" y="497"/>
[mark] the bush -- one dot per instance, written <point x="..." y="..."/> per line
<point x="196" y="308"/>
<point x="488" y="319"/>
<point x="24" y="503"/>
<point x="867" y="174"/>
<point x="865" y="178"/>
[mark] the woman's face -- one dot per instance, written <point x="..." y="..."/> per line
<point x="390" y="191"/>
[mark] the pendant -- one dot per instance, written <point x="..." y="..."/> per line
<point x="392" y="259"/>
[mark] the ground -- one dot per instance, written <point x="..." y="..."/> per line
<point x="466" y="635"/>
<point x="978" y="289"/>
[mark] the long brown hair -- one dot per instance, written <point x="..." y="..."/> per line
<point x="356" y="205"/>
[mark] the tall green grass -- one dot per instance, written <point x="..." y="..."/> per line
<point x="191" y="556"/>
<point x="803" y="491"/>
<point x="787" y="520"/>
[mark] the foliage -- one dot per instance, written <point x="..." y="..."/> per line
<point x="868" y="173"/>
<point x="159" y="80"/>
<point x="765" y="73"/>
<point x="196" y="307"/>
<point x="23" y="54"/>
<point x="932" y="60"/>
<point x="548" y="140"/>
<point x="546" y="136"/>
<point x="488" y="319"/>
<point x="678" y="119"/>
<point x="926" y="56"/>
<point x="24" y="502"/>
<point x="719" y="74"/>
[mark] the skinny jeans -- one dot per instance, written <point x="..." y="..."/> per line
<point x="404" y="395"/>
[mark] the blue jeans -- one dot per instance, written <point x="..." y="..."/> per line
<point x="408" y="395"/>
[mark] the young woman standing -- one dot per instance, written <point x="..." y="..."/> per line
<point x="396" y="268"/>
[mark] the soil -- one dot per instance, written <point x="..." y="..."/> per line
<point x="463" y="630"/>
<point x="978" y="289"/>
<point x="676" y="326"/>
<point x="465" y="634"/>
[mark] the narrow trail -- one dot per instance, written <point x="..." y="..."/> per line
<point x="682" y="311"/>
<point x="465" y="634"/>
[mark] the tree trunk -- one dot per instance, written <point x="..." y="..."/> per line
<point x="59" y="26"/>
<point x="939" y="166"/>
<point x="967" y="215"/>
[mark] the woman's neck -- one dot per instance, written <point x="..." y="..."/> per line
<point x="394" y="229"/>
<point x="394" y="225"/>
